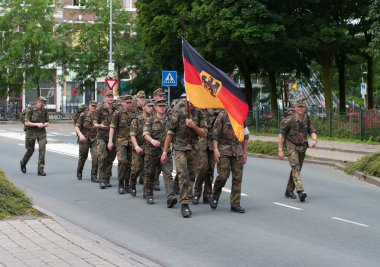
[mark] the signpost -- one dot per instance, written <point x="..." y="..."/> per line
<point x="169" y="79"/>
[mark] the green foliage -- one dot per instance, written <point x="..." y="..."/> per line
<point x="263" y="147"/>
<point x="13" y="201"/>
<point x="368" y="164"/>
<point x="28" y="45"/>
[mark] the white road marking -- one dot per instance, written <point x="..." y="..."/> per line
<point x="286" y="206"/>
<point x="347" y="221"/>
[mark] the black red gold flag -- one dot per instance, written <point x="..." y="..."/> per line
<point x="209" y="87"/>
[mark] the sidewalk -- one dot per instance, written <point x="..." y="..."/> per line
<point x="332" y="150"/>
<point x="42" y="241"/>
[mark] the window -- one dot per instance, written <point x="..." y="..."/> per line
<point x="79" y="3"/>
<point x="129" y="4"/>
<point x="73" y="97"/>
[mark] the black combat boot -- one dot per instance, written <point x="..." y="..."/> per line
<point x="237" y="208"/>
<point x="94" y="178"/>
<point x="195" y="199"/>
<point x="290" y="194"/>
<point x="213" y="203"/>
<point x="171" y="201"/>
<point x="302" y="195"/>
<point x="133" y="191"/>
<point x="185" y="211"/>
<point x="79" y="175"/>
<point x="41" y="173"/>
<point x="23" y="167"/>
<point x="121" y="187"/>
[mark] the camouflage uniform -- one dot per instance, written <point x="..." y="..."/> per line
<point x="206" y="166"/>
<point x="157" y="130"/>
<point x="86" y="126"/>
<point x="137" y="126"/>
<point x="105" y="156"/>
<point x="121" y="122"/>
<point x="231" y="158"/>
<point x="35" y="133"/>
<point x="186" y="152"/>
<point x="295" y="132"/>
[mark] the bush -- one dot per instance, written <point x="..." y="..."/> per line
<point x="368" y="164"/>
<point x="13" y="201"/>
<point x="263" y="147"/>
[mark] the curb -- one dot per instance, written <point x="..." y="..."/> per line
<point x="340" y="165"/>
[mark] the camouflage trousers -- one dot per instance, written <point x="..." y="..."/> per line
<point x="228" y="164"/>
<point x="296" y="161"/>
<point x="29" y="145"/>
<point x="205" y="173"/>
<point x="84" y="148"/>
<point x="124" y="158"/>
<point x="186" y="167"/>
<point x="137" y="168"/>
<point x="105" y="160"/>
<point x="152" y="162"/>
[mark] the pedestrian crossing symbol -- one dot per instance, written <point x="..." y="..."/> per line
<point x="169" y="78"/>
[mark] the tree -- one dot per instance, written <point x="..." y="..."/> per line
<point x="28" y="45"/>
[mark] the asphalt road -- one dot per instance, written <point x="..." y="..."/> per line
<point x="338" y="225"/>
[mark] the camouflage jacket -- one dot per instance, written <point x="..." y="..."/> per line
<point x="157" y="130"/>
<point x="137" y="127"/>
<point x="185" y="137"/>
<point x="121" y="122"/>
<point x="296" y="131"/>
<point x="86" y="125"/>
<point x="103" y="115"/>
<point x="228" y="144"/>
<point x="38" y="116"/>
<point x="206" y="142"/>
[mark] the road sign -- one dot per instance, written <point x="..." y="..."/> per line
<point x="363" y="89"/>
<point x="169" y="78"/>
<point x="111" y="83"/>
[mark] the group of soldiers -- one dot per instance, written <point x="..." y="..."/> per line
<point x="145" y="135"/>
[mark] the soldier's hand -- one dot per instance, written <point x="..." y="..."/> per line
<point x="163" y="158"/>
<point x="155" y="142"/>
<point x="281" y="154"/>
<point x="103" y="126"/>
<point x="40" y="125"/>
<point x="46" y="124"/>
<point x="216" y="156"/>
<point x="313" y="143"/>
<point x="245" y="157"/>
<point x="82" y="138"/>
<point x="110" y="146"/>
<point x="190" y="123"/>
<point x="138" y="149"/>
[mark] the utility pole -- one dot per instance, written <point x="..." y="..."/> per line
<point x="111" y="65"/>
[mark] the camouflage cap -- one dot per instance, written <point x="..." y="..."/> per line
<point x="160" y="102"/>
<point x="42" y="99"/>
<point x="140" y="94"/>
<point x="93" y="103"/>
<point x="127" y="98"/>
<point x="109" y="92"/>
<point x="301" y="103"/>
<point x="149" y="102"/>
<point x="158" y="91"/>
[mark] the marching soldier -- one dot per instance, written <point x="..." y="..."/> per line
<point x="138" y="104"/>
<point x="138" y="143"/>
<point x="102" y="121"/>
<point x="230" y="155"/>
<point x="36" y="121"/>
<point x="121" y="123"/>
<point x="86" y="132"/>
<point x="294" y="130"/>
<point x="186" y="131"/>
<point x="154" y="133"/>
<point x="206" y="166"/>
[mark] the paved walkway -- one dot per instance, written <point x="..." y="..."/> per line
<point x="42" y="241"/>
<point x="333" y="150"/>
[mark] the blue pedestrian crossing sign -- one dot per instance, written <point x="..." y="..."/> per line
<point x="169" y="78"/>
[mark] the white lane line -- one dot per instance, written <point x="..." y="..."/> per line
<point x="229" y="191"/>
<point x="347" y="221"/>
<point x="286" y="206"/>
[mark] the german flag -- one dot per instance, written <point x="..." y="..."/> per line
<point x="209" y="87"/>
